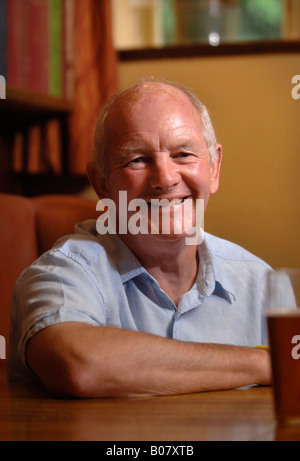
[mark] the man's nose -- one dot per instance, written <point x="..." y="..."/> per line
<point x="164" y="174"/>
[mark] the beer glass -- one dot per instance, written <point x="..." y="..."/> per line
<point x="282" y="306"/>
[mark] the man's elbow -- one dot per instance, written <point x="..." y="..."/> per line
<point x="73" y="380"/>
<point x="63" y="368"/>
<point x="69" y="382"/>
<point x="72" y="384"/>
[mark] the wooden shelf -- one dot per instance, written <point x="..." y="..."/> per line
<point x="27" y="101"/>
<point x="206" y="50"/>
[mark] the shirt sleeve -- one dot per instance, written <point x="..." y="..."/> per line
<point x="57" y="288"/>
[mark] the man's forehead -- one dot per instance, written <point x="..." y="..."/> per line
<point x="153" y="111"/>
<point x="150" y="92"/>
<point x="139" y="102"/>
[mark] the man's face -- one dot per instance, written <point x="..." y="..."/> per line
<point x="157" y="150"/>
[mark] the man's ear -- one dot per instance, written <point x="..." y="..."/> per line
<point x="97" y="180"/>
<point x="215" y="170"/>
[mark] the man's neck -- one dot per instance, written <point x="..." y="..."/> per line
<point x="173" y="264"/>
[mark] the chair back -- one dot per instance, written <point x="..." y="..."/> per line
<point x="28" y="228"/>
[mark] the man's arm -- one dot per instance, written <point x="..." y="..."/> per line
<point x="80" y="360"/>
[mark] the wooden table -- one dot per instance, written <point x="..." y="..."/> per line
<point x="30" y="413"/>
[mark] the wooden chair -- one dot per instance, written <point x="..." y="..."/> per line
<point x="28" y="228"/>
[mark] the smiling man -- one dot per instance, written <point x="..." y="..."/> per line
<point x="156" y="151"/>
<point x="144" y="313"/>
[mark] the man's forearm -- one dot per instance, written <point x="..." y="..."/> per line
<point x="85" y="361"/>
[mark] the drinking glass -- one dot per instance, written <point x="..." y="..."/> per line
<point x="282" y="306"/>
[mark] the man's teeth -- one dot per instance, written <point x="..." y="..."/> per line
<point x="166" y="202"/>
<point x="175" y="201"/>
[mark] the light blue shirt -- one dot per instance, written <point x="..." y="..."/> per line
<point x="96" y="279"/>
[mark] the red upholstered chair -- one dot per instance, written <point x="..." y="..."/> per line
<point x="28" y="228"/>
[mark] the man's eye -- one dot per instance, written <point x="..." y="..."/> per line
<point x="137" y="161"/>
<point x="183" y="155"/>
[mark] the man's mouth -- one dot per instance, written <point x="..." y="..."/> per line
<point x="164" y="202"/>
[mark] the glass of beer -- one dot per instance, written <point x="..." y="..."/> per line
<point x="283" y="321"/>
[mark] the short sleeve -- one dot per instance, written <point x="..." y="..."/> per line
<point x="56" y="288"/>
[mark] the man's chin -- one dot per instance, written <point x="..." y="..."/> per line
<point x="186" y="238"/>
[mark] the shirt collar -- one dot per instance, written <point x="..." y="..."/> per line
<point x="127" y="264"/>
<point x="210" y="279"/>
